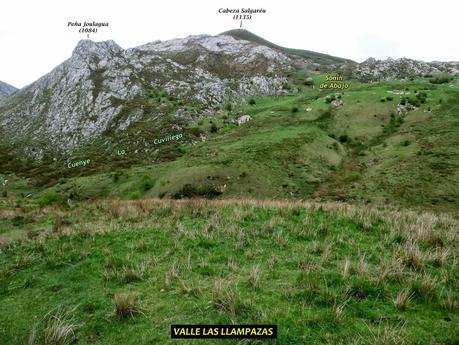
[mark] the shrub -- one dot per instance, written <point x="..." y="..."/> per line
<point x="50" y="198"/>
<point x="252" y="101"/>
<point x="213" y="128"/>
<point x="116" y="176"/>
<point x="294" y="109"/>
<point x="383" y="99"/>
<point x="308" y="81"/>
<point x="422" y="96"/>
<point x="134" y="196"/>
<point x="343" y="138"/>
<point x="228" y="107"/>
<point x="146" y="183"/>
<point x="389" y="98"/>
<point x="330" y="98"/>
<point x="199" y="190"/>
<point x="441" y="79"/>
<point x="196" y="131"/>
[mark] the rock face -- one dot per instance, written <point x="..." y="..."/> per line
<point x="337" y="103"/>
<point x="243" y="119"/>
<point x="377" y="70"/>
<point x="99" y="87"/>
<point x="6" y="90"/>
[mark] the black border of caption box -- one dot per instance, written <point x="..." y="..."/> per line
<point x="224" y="331"/>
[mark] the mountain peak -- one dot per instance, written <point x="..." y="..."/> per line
<point x="87" y="46"/>
<point x="6" y="89"/>
<point x="325" y="59"/>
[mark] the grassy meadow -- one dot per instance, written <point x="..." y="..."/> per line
<point x="120" y="272"/>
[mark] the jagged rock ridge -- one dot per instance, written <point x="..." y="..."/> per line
<point x="88" y="94"/>
<point x="403" y="68"/>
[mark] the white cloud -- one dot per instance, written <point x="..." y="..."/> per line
<point x="378" y="47"/>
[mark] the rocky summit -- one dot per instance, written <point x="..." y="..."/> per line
<point x="100" y="87"/>
<point x="377" y="70"/>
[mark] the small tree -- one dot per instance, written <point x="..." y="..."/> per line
<point x="252" y="101"/>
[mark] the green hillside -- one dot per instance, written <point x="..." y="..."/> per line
<point x="319" y="58"/>
<point x="296" y="146"/>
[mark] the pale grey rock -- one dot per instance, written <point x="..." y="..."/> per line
<point x="337" y="103"/>
<point x="86" y="95"/>
<point x="243" y="119"/>
<point x="377" y="70"/>
<point x="403" y="109"/>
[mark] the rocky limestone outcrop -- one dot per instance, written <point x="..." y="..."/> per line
<point x="243" y="119"/>
<point x="88" y="94"/>
<point x="372" y="70"/>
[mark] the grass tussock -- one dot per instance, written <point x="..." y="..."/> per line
<point x="255" y="276"/>
<point x="126" y="304"/>
<point x="57" y="328"/>
<point x="225" y="298"/>
<point x="403" y="297"/>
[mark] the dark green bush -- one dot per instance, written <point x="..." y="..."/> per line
<point x="196" y="131"/>
<point x="50" y="198"/>
<point x="134" y="196"/>
<point x="330" y="98"/>
<point x="308" y="82"/>
<point x="343" y="138"/>
<point x="294" y="109"/>
<point x="252" y="101"/>
<point x="146" y="183"/>
<point x="213" y="128"/>
<point x="441" y="79"/>
<point x="197" y="190"/>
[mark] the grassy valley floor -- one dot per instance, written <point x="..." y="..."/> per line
<point x="120" y="272"/>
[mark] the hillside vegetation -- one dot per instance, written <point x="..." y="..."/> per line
<point x="296" y="146"/>
<point x="313" y="56"/>
<point x="120" y="272"/>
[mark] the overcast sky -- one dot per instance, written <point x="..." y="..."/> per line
<point x="34" y="36"/>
